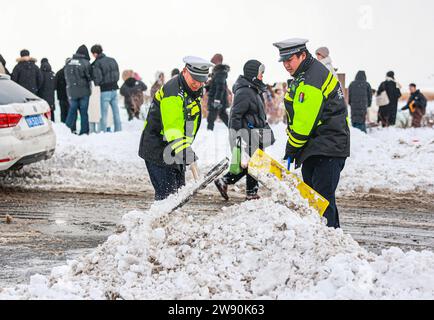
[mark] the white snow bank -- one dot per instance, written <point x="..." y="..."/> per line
<point x="260" y="249"/>
<point x="399" y="160"/>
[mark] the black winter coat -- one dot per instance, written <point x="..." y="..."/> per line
<point x="62" y="95"/>
<point x="218" y="86"/>
<point x="48" y="84"/>
<point x="78" y="77"/>
<point x="393" y="92"/>
<point x="248" y="118"/>
<point x="131" y="89"/>
<point x="106" y="73"/>
<point x="360" y="98"/>
<point x="27" y="74"/>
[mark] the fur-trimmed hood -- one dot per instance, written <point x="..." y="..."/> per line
<point x="26" y="59"/>
<point x="398" y="85"/>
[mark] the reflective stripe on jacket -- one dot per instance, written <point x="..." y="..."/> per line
<point x="317" y="114"/>
<point x="173" y="121"/>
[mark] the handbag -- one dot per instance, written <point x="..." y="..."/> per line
<point x="382" y="99"/>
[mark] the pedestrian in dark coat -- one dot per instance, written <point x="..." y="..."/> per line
<point x="417" y="106"/>
<point x="360" y="99"/>
<point x="218" y="101"/>
<point x="62" y="94"/>
<point x="132" y="90"/>
<point x="78" y="86"/>
<point x="248" y="121"/>
<point x="27" y="74"/>
<point x="387" y="114"/>
<point x="3" y="69"/>
<point x="48" y="87"/>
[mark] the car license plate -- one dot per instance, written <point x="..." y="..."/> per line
<point x="35" y="121"/>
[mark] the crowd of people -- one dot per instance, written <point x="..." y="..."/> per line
<point x="360" y="97"/>
<point x="87" y="88"/>
<point x="91" y="89"/>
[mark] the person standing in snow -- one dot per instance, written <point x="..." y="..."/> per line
<point x="417" y="106"/>
<point x="62" y="95"/>
<point x="323" y="55"/>
<point x="26" y="73"/>
<point x="218" y="101"/>
<point x="3" y="69"/>
<point x="318" y="131"/>
<point x="175" y="73"/>
<point x="132" y="90"/>
<point x="78" y="86"/>
<point x="160" y="80"/>
<point x="360" y="99"/>
<point x="171" y="127"/>
<point x="106" y="75"/>
<point x="248" y="121"/>
<point x="387" y="113"/>
<point x="48" y="86"/>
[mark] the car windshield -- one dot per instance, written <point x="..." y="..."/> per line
<point x="10" y="92"/>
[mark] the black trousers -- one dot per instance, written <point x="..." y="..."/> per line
<point x="252" y="184"/>
<point x="64" y="108"/>
<point x="53" y="117"/>
<point x="387" y="115"/>
<point x="214" y="113"/>
<point x="323" y="175"/>
<point x="166" y="180"/>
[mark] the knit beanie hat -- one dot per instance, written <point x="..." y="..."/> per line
<point x="323" y="51"/>
<point x="24" y="53"/>
<point x="217" y="59"/>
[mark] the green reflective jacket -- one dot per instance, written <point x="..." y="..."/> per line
<point x="317" y="114"/>
<point x="173" y="121"/>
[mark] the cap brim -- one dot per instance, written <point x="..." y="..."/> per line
<point x="200" y="78"/>
<point x="284" y="58"/>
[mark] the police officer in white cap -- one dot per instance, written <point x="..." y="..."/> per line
<point x="171" y="128"/>
<point x="318" y="131"/>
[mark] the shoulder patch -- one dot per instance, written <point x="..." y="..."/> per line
<point x="301" y="97"/>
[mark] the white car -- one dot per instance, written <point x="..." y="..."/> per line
<point x="26" y="131"/>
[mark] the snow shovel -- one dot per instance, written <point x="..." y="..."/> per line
<point x="261" y="163"/>
<point x="213" y="174"/>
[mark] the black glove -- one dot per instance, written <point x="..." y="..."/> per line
<point x="290" y="152"/>
<point x="186" y="157"/>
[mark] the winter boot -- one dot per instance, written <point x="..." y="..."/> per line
<point x="252" y="196"/>
<point x="222" y="187"/>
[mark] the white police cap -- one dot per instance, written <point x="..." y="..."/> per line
<point x="198" y="68"/>
<point x="290" y="47"/>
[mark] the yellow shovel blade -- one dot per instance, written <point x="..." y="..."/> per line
<point x="263" y="163"/>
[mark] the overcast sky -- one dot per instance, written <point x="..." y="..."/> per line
<point x="371" y="35"/>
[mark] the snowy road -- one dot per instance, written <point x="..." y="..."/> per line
<point x="49" y="228"/>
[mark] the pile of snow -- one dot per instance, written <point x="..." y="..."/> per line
<point x="397" y="160"/>
<point x="263" y="249"/>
